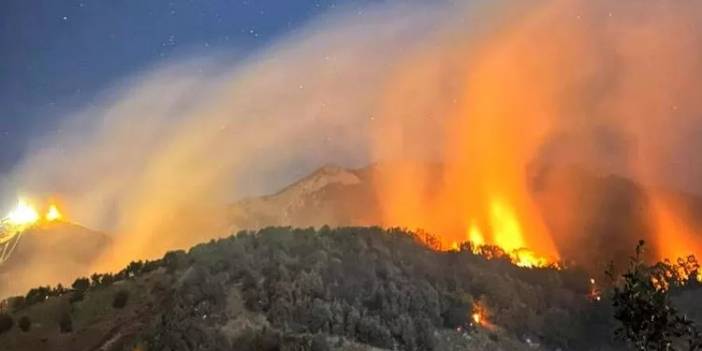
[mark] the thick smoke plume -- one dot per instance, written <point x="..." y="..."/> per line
<point x="505" y="96"/>
<point x="155" y="161"/>
<point x="605" y="86"/>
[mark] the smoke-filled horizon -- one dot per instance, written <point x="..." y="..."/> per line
<point x="501" y="93"/>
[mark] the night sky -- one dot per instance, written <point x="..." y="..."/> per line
<point x="58" y="55"/>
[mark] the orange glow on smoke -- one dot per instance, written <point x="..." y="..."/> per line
<point x="575" y="74"/>
<point x="674" y="237"/>
<point x="507" y="232"/>
<point x="23" y="215"/>
<point x="475" y="236"/>
<point x="53" y="214"/>
<point x="484" y="147"/>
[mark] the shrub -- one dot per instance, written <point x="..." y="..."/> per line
<point x="120" y="300"/>
<point x="175" y="260"/>
<point x="81" y="284"/>
<point x="6" y="322"/>
<point x="37" y="295"/>
<point x="643" y="307"/>
<point x="25" y="324"/>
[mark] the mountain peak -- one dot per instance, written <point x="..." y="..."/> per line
<point x="322" y="177"/>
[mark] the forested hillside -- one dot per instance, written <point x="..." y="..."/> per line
<point x="306" y="289"/>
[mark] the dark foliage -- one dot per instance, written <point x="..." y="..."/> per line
<point x="320" y="343"/>
<point x="382" y="287"/>
<point x="120" y="299"/>
<point x="6" y="322"/>
<point x="76" y="296"/>
<point x="643" y="306"/>
<point x="25" y="324"/>
<point x="176" y="260"/>
<point x="65" y="323"/>
<point x="37" y="295"/>
<point x="81" y="284"/>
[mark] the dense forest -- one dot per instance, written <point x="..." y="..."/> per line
<point x="327" y="289"/>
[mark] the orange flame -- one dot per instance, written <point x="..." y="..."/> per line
<point x="519" y="89"/>
<point x="475" y="236"/>
<point x="675" y="238"/>
<point x="53" y="213"/>
<point x="479" y="316"/>
<point x="484" y="149"/>
<point x="25" y="215"/>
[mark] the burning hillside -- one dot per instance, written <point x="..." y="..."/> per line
<point x="509" y="152"/>
<point x="596" y="85"/>
<point x="22" y="218"/>
<point x="610" y="215"/>
<point x="37" y="246"/>
<point x="340" y="289"/>
<point x="553" y="131"/>
<point x="614" y="207"/>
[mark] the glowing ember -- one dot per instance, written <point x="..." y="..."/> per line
<point x="595" y="294"/>
<point x="53" y="214"/>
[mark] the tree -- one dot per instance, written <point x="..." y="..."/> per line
<point x="642" y="306"/>
<point x="175" y="260"/>
<point x="37" y="295"/>
<point x="81" y="284"/>
<point x="318" y="317"/>
<point x="372" y="331"/>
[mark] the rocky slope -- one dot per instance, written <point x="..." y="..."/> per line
<point x="331" y="195"/>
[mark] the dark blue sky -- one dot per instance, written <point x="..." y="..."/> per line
<point x="56" y="55"/>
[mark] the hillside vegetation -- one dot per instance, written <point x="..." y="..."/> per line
<point x="306" y="289"/>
